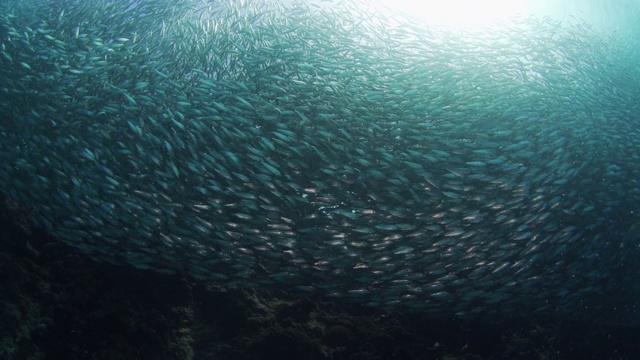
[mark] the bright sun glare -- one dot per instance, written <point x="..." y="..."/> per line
<point x="460" y="13"/>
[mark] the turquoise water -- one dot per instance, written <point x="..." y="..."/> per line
<point x="331" y="150"/>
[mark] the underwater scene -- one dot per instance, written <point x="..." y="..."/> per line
<point x="263" y="179"/>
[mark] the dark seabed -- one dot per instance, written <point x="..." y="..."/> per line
<point x="58" y="304"/>
<point x="315" y="180"/>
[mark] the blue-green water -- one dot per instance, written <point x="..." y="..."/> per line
<point x="330" y="150"/>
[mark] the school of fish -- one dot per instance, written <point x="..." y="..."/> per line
<point x="334" y="149"/>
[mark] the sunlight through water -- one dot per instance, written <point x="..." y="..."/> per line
<point x="467" y="14"/>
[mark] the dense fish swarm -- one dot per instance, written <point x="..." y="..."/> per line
<point x="335" y="149"/>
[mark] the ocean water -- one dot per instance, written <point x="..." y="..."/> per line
<point x="335" y="149"/>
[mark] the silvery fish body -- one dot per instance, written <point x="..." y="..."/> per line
<point x="336" y="150"/>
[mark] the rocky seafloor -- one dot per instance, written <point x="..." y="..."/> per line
<point x="57" y="304"/>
